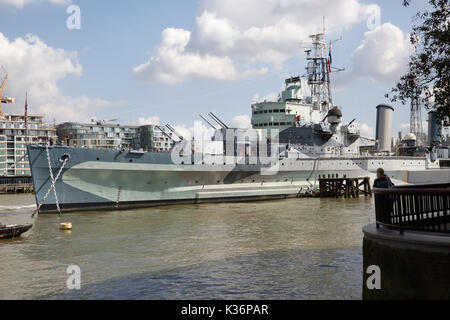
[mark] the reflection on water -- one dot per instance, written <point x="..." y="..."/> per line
<point x="296" y="248"/>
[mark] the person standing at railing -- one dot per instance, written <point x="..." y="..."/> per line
<point x="382" y="180"/>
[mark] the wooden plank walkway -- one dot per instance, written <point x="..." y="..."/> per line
<point x="17" y="184"/>
<point x="344" y="187"/>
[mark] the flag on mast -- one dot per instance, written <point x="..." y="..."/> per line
<point x="330" y="59"/>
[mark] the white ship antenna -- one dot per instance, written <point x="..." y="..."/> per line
<point x="175" y="132"/>
<point x="165" y="133"/>
<point x="216" y="119"/>
<point x="204" y="119"/>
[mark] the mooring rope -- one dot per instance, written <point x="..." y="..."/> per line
<point x="53" y="181"/>
<point x="312" y="187"/>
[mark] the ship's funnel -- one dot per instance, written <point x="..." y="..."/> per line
<point x="384" y="127"/>
<point x="434" y="128"/>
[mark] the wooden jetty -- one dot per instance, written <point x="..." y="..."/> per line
<point x="16" y="184"/>
<point x="344" y="187"/>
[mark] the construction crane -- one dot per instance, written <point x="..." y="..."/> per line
<point x="415" y="125"/>
<point x="2" y="98"/>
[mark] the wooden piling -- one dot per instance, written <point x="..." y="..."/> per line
<point x="344" y="187"/>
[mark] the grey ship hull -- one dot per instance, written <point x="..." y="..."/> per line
<point x="109" y="179"/>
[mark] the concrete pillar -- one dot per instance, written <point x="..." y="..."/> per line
<point x="415" y="265"/>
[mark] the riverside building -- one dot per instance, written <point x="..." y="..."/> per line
<point x="100" y="135"/>
<point x="13" y="157"/>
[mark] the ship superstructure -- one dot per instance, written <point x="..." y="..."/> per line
<point x="305" y="99"/>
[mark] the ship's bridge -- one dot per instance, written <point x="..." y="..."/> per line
<point x="294" y="106"/>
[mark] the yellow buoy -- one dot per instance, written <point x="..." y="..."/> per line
<point x="65" y="226"/>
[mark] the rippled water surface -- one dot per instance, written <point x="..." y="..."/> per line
<point x="283" y="249"/>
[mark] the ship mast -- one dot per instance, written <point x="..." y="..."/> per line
<point x="318" y="71"/>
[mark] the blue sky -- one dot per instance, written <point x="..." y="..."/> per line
<point x="227" y="57"/>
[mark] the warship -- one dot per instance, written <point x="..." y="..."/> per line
<point x="294" y="142"/>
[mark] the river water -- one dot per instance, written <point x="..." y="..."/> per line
<point x="283" y="249"/>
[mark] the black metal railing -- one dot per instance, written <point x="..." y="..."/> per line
<point x="414" y="207"/>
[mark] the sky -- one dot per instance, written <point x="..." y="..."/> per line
<point x="158" y="62"/>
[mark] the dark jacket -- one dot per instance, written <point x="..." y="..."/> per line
<point x="384" y="182"/>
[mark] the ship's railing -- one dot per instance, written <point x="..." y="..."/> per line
<point x="414" y="207"/>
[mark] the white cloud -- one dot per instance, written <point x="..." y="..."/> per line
<point x="242" y="121"/>
<point x="234" y="39"/>
<point x="273" y="96"/>
<point x="383" y="55"/>
<point x="147" y="121"/>
<point x="198" y="130"/>
<point x="367" y="131"/>
<point x="22" y="3"/>
<point x="174" y="64"/>
<point x="36" y="68"/>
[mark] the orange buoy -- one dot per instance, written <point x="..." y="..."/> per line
<point x="65" y="226"/>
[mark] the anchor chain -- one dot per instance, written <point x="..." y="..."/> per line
<point x="53" y="181"/>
